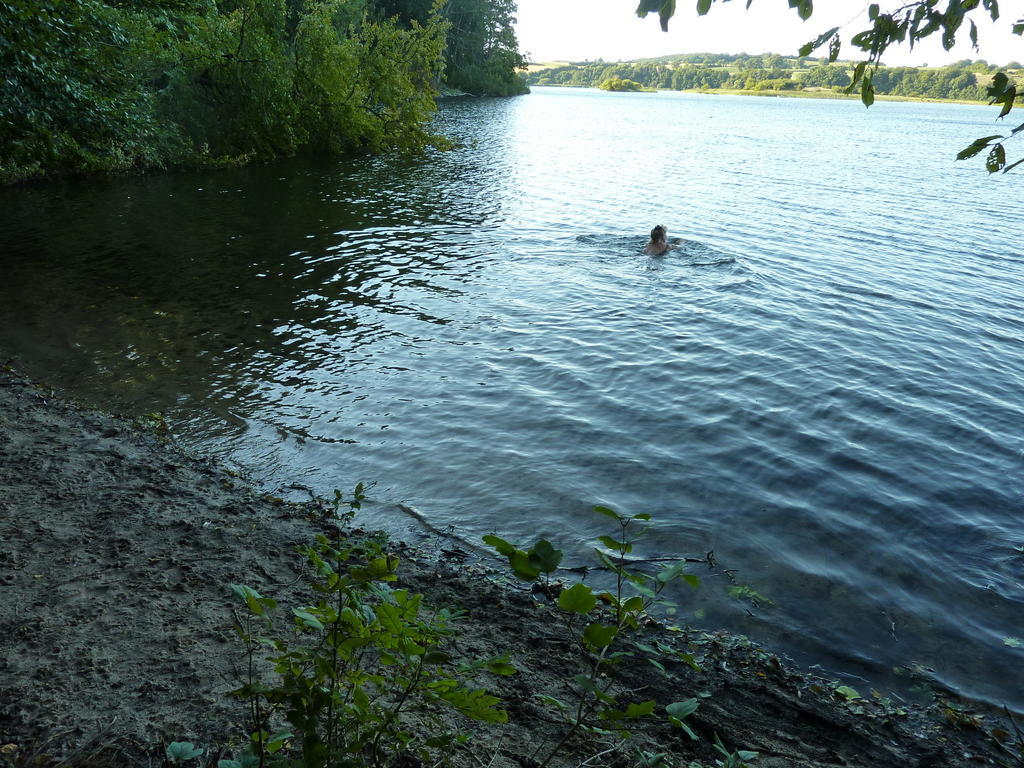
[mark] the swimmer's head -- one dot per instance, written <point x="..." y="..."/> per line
<point x="658" y="233"/>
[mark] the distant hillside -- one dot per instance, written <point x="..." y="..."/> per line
<point x="963" y="81"/>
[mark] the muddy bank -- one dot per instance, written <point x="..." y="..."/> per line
<point x="116" y="549"/>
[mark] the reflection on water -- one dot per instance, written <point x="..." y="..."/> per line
<point x="822" y="383"/>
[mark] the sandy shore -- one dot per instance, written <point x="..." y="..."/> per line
<point x="116" y="549"/>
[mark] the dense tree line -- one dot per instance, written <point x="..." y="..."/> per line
<point x="482" y="54"/>
<point x="117" y="84"/>
<point x="965" y="80"/>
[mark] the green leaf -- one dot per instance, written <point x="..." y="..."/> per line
<point x="847" y="692"/>
<point x="976" y="146"/>
<point x="307" y="619"/>
<point x="502" y="546"/>
<point x="608" y="512"/>
<point x="669" y="572"/>
<point x="743" y="592"/>
<point x="545" y="557"/>
<point x="668" y="10"/>
<point x="642" y="516"/>
<point x="816" y="43"/>
<point x="277" y="741"/>
<point x="558" y="704"/>
<point x="241" y="591"/>
<point x="435" y="656"/>
<point x="585" y="683"/>
<point x="948" y="37"/>
<point x="642" y="709"/>
<point x="653" y="759"/>
<point x="522" y="567"/>
<point x="858" y="75"/>
<point x="476" y="704"/>
<point x="578" y="598"/>
<point x="360" y="698"/>
<point x="682" y="709"/>
<point x="383" y="568"/>
<point x="703" y="6"/>
<point x="633" y="604"/>
<point x="686" y="729"/>
<point x="1008" y="98"/>
<point x="996" y="159"/>
<point x="833" y="49"/>
<point x="998" y="84"/>
<point x="648" y="6"/>
<point x="500" y="666"/>
<point x="180" y="751"/>
<point x="612" y="714"/>
<point x="643" y="589"/>
<point x="687" y="658"/>
<point x="867" y="91"/>
<point x="608" y="563"/>
<point x="599" y="635"/>
<point x="610" y="542"/>
<point x="804" y="8"/>
<point x="253" y="600"/>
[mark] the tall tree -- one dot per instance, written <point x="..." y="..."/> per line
<point x="483" y="53"/>
<point x="113" y="84"/>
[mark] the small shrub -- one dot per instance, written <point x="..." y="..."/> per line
<point x="598" y="622"/>
<point x="358" y="660"/>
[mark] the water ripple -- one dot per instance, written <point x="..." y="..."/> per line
<point x="822" y="382"/>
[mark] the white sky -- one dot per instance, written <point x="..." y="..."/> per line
<point x="576" y="30"/>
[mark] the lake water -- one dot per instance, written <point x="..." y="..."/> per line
<point x="824" y="383"/>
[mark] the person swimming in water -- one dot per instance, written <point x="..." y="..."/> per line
<point x="659" y="242"/>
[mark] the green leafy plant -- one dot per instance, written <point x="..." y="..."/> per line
<point x="179" y="752"/>
<point x="598" y="623"/>
<point x="363" y="676"/>
<point x="737" y="759"/>
<point x="345" y="511"/>
<point x="745" y="592"/>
